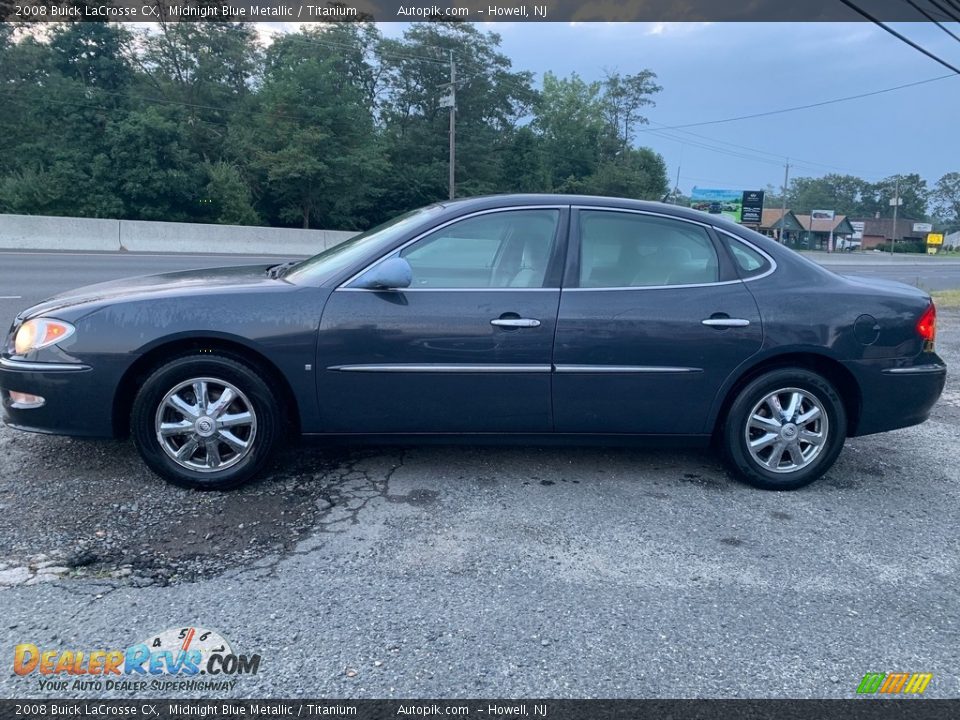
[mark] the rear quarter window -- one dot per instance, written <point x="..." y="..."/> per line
<point x="749" y="262"/>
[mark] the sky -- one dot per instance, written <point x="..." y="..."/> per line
<point x="719" y="70"/>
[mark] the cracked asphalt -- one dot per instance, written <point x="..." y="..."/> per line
<point x="511" y="572"/>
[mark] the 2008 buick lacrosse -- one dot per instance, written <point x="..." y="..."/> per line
<point x="535" y="318"/>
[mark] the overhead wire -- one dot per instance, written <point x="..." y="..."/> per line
<point x="903" y="38"/>
<point x="932" y="19"/>
<point x="952" y="16"/>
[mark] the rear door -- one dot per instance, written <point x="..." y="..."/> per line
<point x="466" y="348"/>
<point x="652" y="320"/>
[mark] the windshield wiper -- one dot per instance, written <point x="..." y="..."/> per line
<point x="277" y="271"/>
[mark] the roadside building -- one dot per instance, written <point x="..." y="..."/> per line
<point x="816" y="231"/>
<point x="879" y="231"/>
<point x="779" y="225"/>
<point x="952" y="241"/>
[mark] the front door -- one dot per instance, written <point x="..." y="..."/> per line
<point x="653" y="323"/>
<point x="466" y="348"/>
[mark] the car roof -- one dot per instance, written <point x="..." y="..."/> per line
<point x="507" y="200"/>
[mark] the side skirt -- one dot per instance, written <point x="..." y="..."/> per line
<point x="513" y="439"/>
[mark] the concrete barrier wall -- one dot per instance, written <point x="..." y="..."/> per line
<point x="40" y="232"/>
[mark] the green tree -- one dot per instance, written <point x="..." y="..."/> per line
<point x="523" y="167"/>
<point x="158" y="174"/>
<point x="913" y="192"/>
<point x="624" y="96"/>
<point x="230" y="196"/>
<point x="635" y="173"/>
<point x="846" y="194"/>
<point x="62" y="166"/>
<point x="319" y="154"/>
<point x="946" y="200"/>
<point x="491" y="98"/>
<point x="571" y="118"/>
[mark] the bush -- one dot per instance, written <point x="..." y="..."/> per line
<point x="905" y="247"/>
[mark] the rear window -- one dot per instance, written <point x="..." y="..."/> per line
<point x="623" y="250"/>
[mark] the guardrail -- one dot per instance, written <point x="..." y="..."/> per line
<point x="45" y="232"/>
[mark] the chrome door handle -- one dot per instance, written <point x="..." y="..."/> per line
<point x="515" y="322"/>
<point x="725" y="322"/>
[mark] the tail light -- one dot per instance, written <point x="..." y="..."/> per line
<point x="927" y="326"/>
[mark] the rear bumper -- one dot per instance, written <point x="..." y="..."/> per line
<point x="898" y="397"/>
<point x="75" y="401"/>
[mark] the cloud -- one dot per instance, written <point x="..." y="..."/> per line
<point x="676" y="28"/>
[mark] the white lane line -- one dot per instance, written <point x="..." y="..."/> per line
<point x="11" y="297"/>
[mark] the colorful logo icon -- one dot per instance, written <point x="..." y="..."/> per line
<point x="894" y="683"/>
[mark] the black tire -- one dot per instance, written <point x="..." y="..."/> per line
<point x="253" y="407"/>
<point x="754" y="467"/>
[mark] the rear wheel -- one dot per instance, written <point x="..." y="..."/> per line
<point x="784" y="430"/>
<point x="206" y="423"/>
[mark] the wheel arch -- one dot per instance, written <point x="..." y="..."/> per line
<point x="171" y="348"/>
<point x="832" y="369"/>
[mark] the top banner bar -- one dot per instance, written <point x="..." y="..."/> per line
<point x="30" y="11"/>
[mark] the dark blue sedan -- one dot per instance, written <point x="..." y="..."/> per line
<point x="538" y="318"/>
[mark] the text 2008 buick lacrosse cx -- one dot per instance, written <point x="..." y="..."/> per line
<point x="533" y="317"/>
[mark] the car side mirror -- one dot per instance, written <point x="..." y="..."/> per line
<point x="391" y="274"/>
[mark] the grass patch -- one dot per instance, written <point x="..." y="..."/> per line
<point x="947" y="298"/>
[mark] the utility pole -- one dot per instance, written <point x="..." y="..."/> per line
<point x="783" y="217"/>
<point x="450" y="101"/>
<point x="896" y="206"/>
<point x="453" y="126"/>
<point x="676" y="185"/>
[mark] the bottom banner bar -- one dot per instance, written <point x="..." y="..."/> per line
<point x="859" y="709"/>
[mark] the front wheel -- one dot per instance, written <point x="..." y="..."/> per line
<point x="784" y="430"/>
<point x="206" y="423"/>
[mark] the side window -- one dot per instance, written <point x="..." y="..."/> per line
<point x="629" y="250"/>
<point x="509" y="249"/>
<point x="749" y="262"/>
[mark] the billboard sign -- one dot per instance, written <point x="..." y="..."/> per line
<point x="935" y="239"/>
<point x="751" y="207"/>
<point x="858" y="226"/>
<point x="922" y="227"/>
<point x="823" y="214"/>
<point x="717" y="202"/>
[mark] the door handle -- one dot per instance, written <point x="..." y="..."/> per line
<point x="515" y="322"/>
<point x="725" y="322"/>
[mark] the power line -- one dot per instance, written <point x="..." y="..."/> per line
<point x="932" y="19"/>
<point x="806" y="107"/>
<point x="946" y="12"/>
<point x="809" y="164"/>
<point x="722" y="151"/>
<point x="899" y="36"/>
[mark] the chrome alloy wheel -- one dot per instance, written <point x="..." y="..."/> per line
<point x="786" y="430"/>
<point x="206" y="424"/>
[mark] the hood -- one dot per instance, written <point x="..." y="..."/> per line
<point x="184" y="282"/>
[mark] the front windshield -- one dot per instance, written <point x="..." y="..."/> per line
<point x="320" y="268"/>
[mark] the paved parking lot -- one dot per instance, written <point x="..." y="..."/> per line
<point x="432" y="571"/>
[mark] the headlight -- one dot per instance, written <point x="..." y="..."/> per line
<point x="40" y="333"/>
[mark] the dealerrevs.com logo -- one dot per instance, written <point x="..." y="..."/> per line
<point x="188" y="658"/>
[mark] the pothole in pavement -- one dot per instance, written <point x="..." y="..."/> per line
<point x="90" y="509"/>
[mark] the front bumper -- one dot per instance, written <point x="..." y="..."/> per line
<point x="76" y="403"/>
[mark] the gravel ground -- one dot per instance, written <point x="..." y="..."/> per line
<point x="570" y="572"/>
